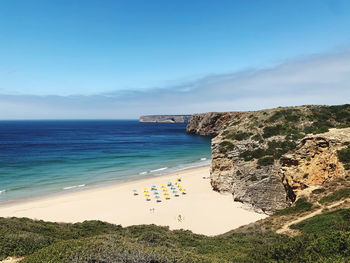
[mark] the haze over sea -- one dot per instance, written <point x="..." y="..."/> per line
<point x="45" y="157"/>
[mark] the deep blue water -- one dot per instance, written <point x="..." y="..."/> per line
<point x="42" y="157"/>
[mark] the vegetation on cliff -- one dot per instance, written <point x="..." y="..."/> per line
<point x="344" y="157"/>
<point x="267" y="145"/>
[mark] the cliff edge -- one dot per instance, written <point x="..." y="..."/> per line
<point x="267" y="158"/>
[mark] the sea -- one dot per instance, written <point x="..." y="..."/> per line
<point x="45" y="157"/>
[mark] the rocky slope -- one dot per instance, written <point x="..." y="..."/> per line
<point x="314" y="162"/>
<point x="265" y="158"/>
<point x="211" y="123"/>
<point x="166" y="118"/>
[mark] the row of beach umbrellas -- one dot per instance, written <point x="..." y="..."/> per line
<point x="175" y="189"/>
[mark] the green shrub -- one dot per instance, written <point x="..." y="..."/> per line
<point x="257" y="138"/>
<point x="318" y="191"/>
<point x="326" y="222"/>
<point x="290" y="115"/>
<point x="239" y="136"/>
<point x="226" y="146"/>
<point x="253" y="178"/>
<point x="337" y="195"/>
<point x="270" y="131"/>
<point x="301" y="205"/>
<point x="266" y="161"/>
<point x="344" y="155"/>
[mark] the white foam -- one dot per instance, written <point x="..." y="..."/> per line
<point x="160" y="169"/>
<point x="203" y="159"/>
<point x="74" y="186"/>
<point x="142" y="173"/>
<point x="2" y="191"/>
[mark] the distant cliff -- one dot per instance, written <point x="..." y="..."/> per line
<point x="165" y="118"/>
<point x="267" y="158"/>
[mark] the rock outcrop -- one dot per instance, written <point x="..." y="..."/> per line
<point x="314" y="162"/>
<point x="265" y="158"/>
<point x="211" y="123"/>
<point x="165" y="118"/>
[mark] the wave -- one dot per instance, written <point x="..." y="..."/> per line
<point x="74" y="186"/>
<point x="142" y="173"/>
<point x="203" y="159"/>
<point x="158" y="170"/>
<point x="2" y="191"/>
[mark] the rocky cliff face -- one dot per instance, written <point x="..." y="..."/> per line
<point x="265" y="158"/>
<point x="211" y="123"/>
<point x="165" y="118"/>
<point x="314" y="162"/>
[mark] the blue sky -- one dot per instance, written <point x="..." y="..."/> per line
<point x="58" y="56"/>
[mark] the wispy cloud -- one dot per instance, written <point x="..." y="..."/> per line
<point x="317" y="79"/>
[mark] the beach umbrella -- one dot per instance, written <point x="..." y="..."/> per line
<point x="165" y="191"/>
<point x="174" y="192"/>
<point x="156" y="193"/>
<point x="157" y="196"/>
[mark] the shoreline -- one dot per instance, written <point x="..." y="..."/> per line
<point x="104" y="184"/>
<point x="201" y="210"/>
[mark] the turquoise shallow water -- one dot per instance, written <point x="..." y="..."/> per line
<point x="44" y="157"/>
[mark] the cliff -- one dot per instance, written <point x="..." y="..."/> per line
<point x="166" y="118"/>
<point x="211" y="123"/>
<point x="266" y="158"/>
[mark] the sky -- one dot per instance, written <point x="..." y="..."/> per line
<point x="101" y="59"/>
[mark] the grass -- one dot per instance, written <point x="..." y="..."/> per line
<point x="301" y="205"/>
<point x="337" y="195"/>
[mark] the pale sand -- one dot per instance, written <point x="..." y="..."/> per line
<point x="204" y="211"/>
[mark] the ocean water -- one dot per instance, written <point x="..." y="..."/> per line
<point x="46" y="157"/>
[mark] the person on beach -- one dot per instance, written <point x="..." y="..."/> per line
<point x="179" y="218"/>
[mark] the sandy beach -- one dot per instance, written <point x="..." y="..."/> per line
<point x="202" y="210"/>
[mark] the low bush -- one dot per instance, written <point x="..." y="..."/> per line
<point x="301" y="205"/>
<point x="239" y="136"/>
<point x="337" y="195"/>
<point x="318" y="191"/>
<point x="226" y="146"/>
<point x="325" y="223"/>
<point x="344" y="155"/>
<point x="266" y="161"/>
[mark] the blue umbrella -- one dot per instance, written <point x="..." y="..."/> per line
<point x="156" y="193"/>
<point x="174" y="192"/>
<point x="157" y="196"/>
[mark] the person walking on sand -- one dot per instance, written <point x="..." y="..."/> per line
<point x="179" y="218"/>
